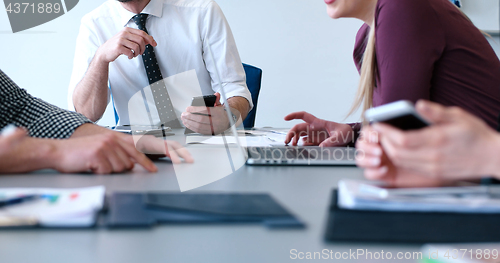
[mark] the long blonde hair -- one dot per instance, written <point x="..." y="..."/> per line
<point x="369" y="71"/>
<point x="368" y="77"/>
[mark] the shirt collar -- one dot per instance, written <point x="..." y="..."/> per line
<point x="154" y="8"/>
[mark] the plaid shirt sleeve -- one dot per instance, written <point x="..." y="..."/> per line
<point x="40" y="118"/>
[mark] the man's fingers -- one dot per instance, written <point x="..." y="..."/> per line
<point x="117" y="164"/>
<point x="181" y="151"/>
<point x="139" y="157"/>
<point x="198" y="110"/>
<point x="141" y="43"/>
<point x="127" y="52"/>
<point x="217" y="100"/>
<point x="124" y="158"/>
<point x="197" y="127"/>
<point x="147" y="38"/>
<point x="100" y="165"/>
<point x="172" y="154"/>
<point x="202" y="119"/>
<point x="132" y="46"/>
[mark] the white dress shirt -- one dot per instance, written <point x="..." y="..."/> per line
<point x="182" y="29"/>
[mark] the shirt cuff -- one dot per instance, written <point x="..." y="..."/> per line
<point x="239" y="93"/>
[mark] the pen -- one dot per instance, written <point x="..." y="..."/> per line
<point x="18" y="200"/>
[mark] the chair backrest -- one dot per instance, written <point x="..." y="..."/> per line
<point x="254" y="82"/>
<point x="116" y="113"/>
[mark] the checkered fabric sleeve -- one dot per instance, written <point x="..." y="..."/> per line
<point x="40" y="118"/>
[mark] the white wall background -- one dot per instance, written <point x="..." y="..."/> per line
<point x="484" y="13"/>
<point x="306" y="56"/>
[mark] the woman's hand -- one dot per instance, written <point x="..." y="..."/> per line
<point x="318" y="132"/>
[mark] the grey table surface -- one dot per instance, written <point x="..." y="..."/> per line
<point x="305" y="191"/>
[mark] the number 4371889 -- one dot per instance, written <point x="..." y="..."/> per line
<point x="40" y="8"/>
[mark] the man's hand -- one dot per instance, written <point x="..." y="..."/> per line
<point x="316" y="131"/>
<point x="207" y="120"/>
<point x="143" y="143"/>
<point x="91" y="93"/>
<point x="129" y="42"/>
<point x="148" y="144"/>
<point x="101" y="154"/>
<point x="457" y="146"/>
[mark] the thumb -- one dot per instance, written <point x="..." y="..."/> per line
<point x="433" y="112"/>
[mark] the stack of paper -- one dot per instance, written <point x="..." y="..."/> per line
<point x="360" y="195"/>
<point x="55" y="207"/>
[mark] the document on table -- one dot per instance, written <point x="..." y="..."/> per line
<point x="250" y="141"/>
<point x="55" y="207"/>
<point x="247" y="139"/>
<point x="361" y="195"/>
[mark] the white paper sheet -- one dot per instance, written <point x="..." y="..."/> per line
<point x="64" y="207"/>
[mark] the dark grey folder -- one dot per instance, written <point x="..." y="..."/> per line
<point x="145" y="210"/>
<point x="409" y="227"/>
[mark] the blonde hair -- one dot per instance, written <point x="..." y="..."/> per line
<point x="366" y="85"/>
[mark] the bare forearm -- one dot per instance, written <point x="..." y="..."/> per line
<point x="239" y="104"/>
<point x="35" y="154"/>
<point x="91" y="94"/>
<point x="30" y="155"/>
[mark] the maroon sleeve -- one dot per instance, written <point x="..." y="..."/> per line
<point x="409" y="41"/>
<point x="360" y="46"/>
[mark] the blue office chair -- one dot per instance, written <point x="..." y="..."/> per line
<point x="254" y="81"/>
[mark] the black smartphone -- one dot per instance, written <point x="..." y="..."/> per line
<point x="202" y="101"/>
<point x="207" y="101"/>
<point x="400" y="114"/>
